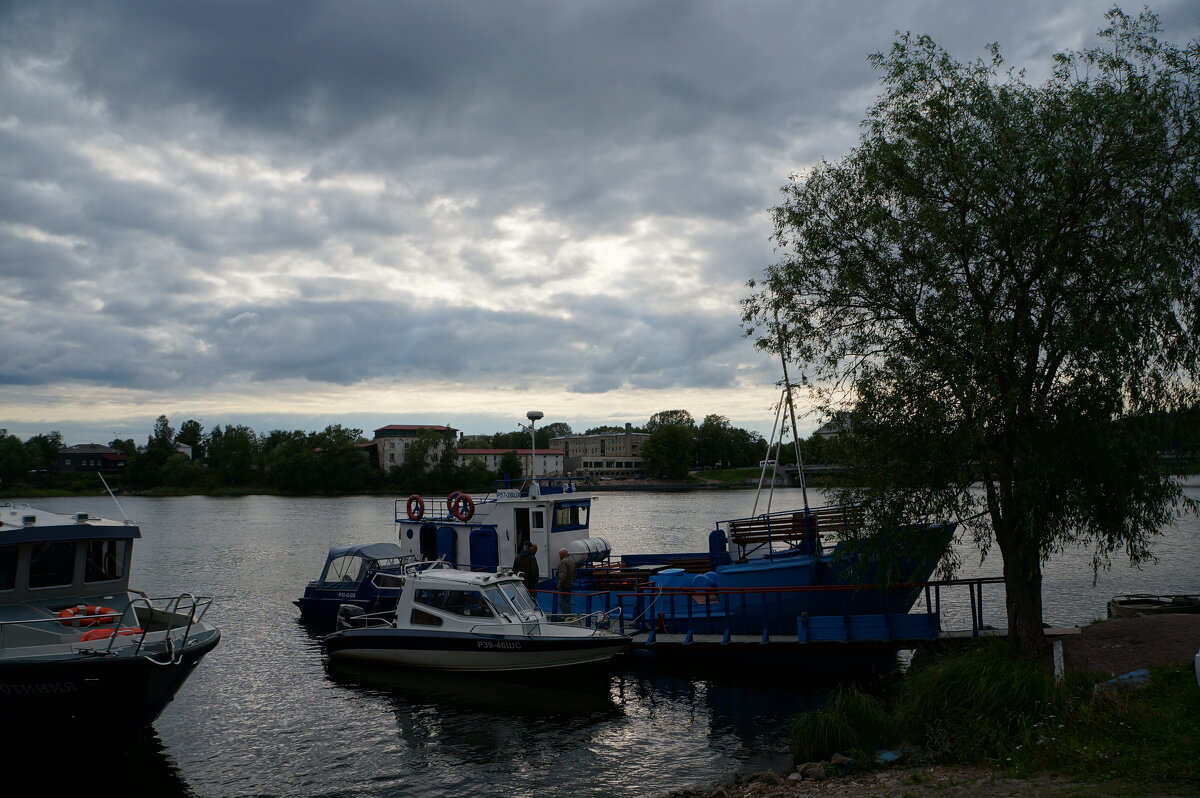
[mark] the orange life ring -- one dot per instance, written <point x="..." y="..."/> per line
<point x="416" y="507"/>
<point x="104" y="634"/>
<point x="83" y="615"/>
<point x="462" y="506"/>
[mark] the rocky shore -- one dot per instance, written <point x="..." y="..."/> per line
<point x="1108" y="648"/>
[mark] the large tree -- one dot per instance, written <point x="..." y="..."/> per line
<point x="992" y="281"/>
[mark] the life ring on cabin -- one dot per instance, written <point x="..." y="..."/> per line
<point x="415" y="508"/>
<point x="82" y="615"/>
<point x="104" y="634"/>
<point x="461" y="506"/>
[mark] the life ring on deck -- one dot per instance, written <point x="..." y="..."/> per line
<point x="461" y="506"/>
<point x="104" y="634"/>
<point x="82" y="615"/>
<point x="416" y="507"/>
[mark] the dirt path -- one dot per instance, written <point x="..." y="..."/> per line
<point x="1121" y="646"/>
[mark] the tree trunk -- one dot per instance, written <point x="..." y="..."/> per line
<point x="1023" y="600"/>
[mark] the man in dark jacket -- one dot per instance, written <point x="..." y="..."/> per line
<point x="526" y="565"/>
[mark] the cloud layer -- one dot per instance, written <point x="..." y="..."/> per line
<point x="415" y="208"/>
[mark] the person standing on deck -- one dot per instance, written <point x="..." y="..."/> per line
<point x="526" y="565"/>
<point x="566" y="581"/>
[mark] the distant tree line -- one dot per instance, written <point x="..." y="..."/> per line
<point x="334" y="460"/>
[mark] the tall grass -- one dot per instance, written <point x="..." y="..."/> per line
<point x="988" y="706"/>
<point x="852" y="722"/>
<point x="970" y="706"/>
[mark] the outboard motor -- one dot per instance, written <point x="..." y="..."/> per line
<point x="348" y="615"/>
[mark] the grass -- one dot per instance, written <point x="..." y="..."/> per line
<point x="851" y="722"/>
<point x="986" y="706"/>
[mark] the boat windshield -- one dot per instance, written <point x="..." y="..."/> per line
<point x="519" y="596"/>
<point x="495" y="599"/>
<point x="350" y="568"/>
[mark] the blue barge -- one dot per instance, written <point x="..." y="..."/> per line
<point x="760" y="575"/>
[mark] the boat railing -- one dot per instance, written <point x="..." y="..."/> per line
<point x="524" y="486"/>
<point x="941" y="608"/>
<point x="435" y="510"/>
<point x="167" y="614"/>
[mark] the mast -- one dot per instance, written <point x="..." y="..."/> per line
<point x="787" y="390"/>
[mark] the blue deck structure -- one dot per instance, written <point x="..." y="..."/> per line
<point x="683" y="630"/>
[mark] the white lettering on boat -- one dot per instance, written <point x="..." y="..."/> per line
<point x="488" y="644"/>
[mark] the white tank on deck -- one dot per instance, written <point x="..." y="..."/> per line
<point x="589" y="550"/>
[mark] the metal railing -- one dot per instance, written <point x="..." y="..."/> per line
<point x="172" y="614"/>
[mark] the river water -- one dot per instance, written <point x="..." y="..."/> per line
<point x="264" y="715"/>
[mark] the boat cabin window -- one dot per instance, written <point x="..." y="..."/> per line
<point x="468" y="603"/>
<point x="52" y="564"/>
<point x="381" y="579"/>
<point x="8" y="567"/>
<point x="105" y="561"/>
<point x="570" y="515"/>
<point x="344" y="569"/>
<point x="421" y="618"/>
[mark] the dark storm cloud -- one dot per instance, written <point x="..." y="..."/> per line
<point x="200" y="192"/>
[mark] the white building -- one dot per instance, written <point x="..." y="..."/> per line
<point x="546" y="462"/>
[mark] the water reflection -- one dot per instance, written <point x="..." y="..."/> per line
<point x="617" y="732"/>
<point x="570" y="694"/>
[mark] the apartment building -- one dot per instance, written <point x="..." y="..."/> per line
<point x="393" y="442"/>
<point x="604" y="454"/>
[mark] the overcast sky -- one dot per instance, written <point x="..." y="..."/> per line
<point x="290" y="214"/>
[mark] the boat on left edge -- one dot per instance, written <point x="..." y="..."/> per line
<point x="79" y="649"/>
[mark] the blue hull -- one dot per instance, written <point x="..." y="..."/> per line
<point x="770" y="595"/>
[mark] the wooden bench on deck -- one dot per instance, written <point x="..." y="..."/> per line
<point x="794" y="528"/>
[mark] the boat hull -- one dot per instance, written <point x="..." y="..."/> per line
<point x="76" y="692"/>
<point x="455" y="651"/>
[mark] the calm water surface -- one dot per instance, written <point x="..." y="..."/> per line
<point x="265" y="714"/>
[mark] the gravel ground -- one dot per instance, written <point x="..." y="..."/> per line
<point x="1108" y="648"/>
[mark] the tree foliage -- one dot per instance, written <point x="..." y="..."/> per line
<point x="669" y="452"/>
<point x="994" y="276"/>
<point x="664" y="418"/>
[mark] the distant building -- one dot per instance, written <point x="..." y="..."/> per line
<point x="91" y="457"/>
<point x="393" y="441"/>
<point x="549" y="462"/>
<point x="604" y="454"/>
<point x="184" y="449"/>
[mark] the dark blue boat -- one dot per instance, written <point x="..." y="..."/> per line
<point x="366" y="575"/>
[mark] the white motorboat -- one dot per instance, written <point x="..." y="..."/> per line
<point x="452" y="620"/>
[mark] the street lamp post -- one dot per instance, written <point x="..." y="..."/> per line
<point x="533" y="416"/>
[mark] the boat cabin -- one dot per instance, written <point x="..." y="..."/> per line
<point x="486" y="534"/>
<point x="443" y="598"/>
<point x="46" y="558"/>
